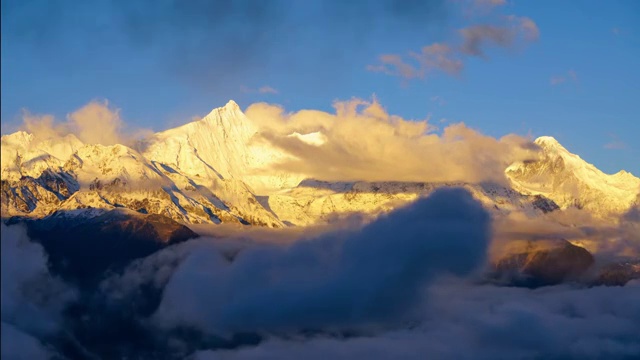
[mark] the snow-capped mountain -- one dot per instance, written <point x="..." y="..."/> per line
<point x="569" y="181"/>
<point x="217" y="169"/>
<point x="40" y="176"/>
<point x="221" y="146"/>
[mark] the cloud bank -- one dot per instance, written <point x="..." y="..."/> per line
<point x="363" y="142"/>
<point x="464" y="321"/>
<point x="405" y="284"/>
<point x="342" y="281"/>
<point x="32" y="299"/>
<point x="94" y="123"/>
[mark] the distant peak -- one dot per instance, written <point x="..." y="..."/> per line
<point x="232" y="105"/>
<point x="550" y="143"/>
<point x="18" y="135"/>
<point x="624" y="174"/>
<point x="547" y="140"/>
<point x="230" y="108"/>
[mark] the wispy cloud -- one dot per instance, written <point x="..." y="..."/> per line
<point x="94" y="123"/>
<point x="569" y="76"/>
<point x="266" y="89"/>
<point x="449" y="58"/>
<point x="439" y="56"/>
<point x="438" y="100"/>
<point x="434" y="57"/>
<point x="615" y="143"/>
<point x="505" y="35"/>
<point x="556" y="80"/>
<point x="475" y="8"/>
<point x="526" y="26"/>
<point x="478" y="36"/>
<point x="489" y="3"/>
<point x="392" y="64"/>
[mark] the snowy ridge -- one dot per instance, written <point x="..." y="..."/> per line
<point x="570" y="181"/>
<point x="107" y="177"/>
<point x="223" y="145"/>
<point x="315" y="201"/>
<point x="217" y="170"/>
<point x="24" y="155"/>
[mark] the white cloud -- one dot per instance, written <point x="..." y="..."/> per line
<point x="356" y="279"/>
<point x="32" y="299"/>
<point x="463" y="321"/>
<point x="94" y="123"/>
<point x="364" y="142"/>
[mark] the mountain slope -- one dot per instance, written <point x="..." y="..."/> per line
<point x="25" y="155"/>
<point x="97" y="176"/>
<point x="221" y="146"/>
<point x="570" y="181"/>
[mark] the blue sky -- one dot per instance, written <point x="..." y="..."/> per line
<point x="576" y="79"/>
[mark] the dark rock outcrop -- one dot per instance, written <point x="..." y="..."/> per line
<point x="83" y="249"/>
<point x="542" y="263"/>
<point x="618" y="274"/>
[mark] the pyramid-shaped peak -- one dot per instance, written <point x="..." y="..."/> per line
<point x="227" y="121"/>
<point x="623" y="174"/>
<point x="550" y="143"/>
<point x="232" y="105"/>
<point x="230" y="109"/>
<point x="547" y="140"/>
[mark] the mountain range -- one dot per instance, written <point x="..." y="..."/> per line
<point x="218" y="170"/>
<point x="118" y="223"/>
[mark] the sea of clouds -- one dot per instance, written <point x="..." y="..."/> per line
<point x="407" y="285"/>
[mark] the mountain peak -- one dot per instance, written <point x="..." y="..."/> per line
<point x="548" y="141"/>
<point x="18" y="137"/>
<point x="230" y="111"/>
<point x="552" y="147"/>
<point x="232" y="105"/>
<point x="623" y="174"/>
<point x="569" y="180"/>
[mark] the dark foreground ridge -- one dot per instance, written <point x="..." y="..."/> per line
<point x="82" y="250"/>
